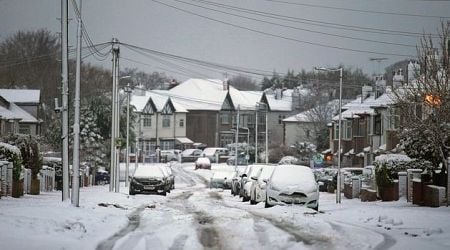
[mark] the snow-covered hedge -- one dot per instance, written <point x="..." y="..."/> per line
<point x="387" y="167"/>
<point x="12" y="154"/>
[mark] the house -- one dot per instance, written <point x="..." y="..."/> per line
<point x="19" y="111"/>
<point x="211" y="106"/>
<point x="370" y="124"/>
<point x="304" y="126"/>
<point x="159" y="121"/>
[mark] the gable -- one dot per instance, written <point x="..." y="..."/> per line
<point x="149" y="108"/>
<point x="168" y="109"/>
<point x="227" y="103"/>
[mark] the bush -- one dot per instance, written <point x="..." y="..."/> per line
<point x="12" y="154"/>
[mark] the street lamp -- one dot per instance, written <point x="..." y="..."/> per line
<point x="115" y="171"/>
<point x="340" y="69"/>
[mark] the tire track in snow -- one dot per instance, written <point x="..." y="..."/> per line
<point x="388" y="241"/>
<point x="133" y="223"/>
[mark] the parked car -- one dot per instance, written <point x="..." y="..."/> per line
<point x="190" y="155"/>
<point x="203" y="163"/>
<point x="292" y="184"/>
<point x="149" y="178"/>
<point x="236" y="182"/>
<point x="242" y="161"/>
<point x="218" y="180"/>
<point x="326" y="179"/>
<point x="243" y="178"/>
<point x="247" y="184"/>
<point x="191" y="152"/>
<point x="212" y="152"/>
<point x="170" y="155"/>
<point x="258" y="188"/>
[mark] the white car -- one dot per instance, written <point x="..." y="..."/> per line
<point x="258" y="188"/>
<point x="292" y="184"/>
<point x="203" y="163"/>
<point x="247" y="184"/>
<point x="169" y="174"/>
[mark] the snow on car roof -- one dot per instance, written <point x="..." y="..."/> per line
<point x="149" y="170"/>
<point x="288" y="175"/>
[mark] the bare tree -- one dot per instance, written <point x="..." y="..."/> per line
<point x="424" y="105"/>
<point x="243" y="82"/>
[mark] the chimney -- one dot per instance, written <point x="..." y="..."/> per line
<point x="226" y="84"/>
<point x="366" y="90"/>
<point x="278" y="94"/>
<point x="139" y="90"/>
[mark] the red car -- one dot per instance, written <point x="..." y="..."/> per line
<point x="203" y="163"/>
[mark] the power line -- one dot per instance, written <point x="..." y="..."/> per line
<point x="297" y="28"/>
<point x="281" y="37"/>
<point x="316" y="22"/>
<point x="358" y="10"/>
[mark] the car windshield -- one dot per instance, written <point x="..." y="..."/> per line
<point x="266" y="172"/>
<point x="188" y="152"/>
<point x="255" y="170"/>
<point x="288" y="175"/>
<point x="148" y="171"/>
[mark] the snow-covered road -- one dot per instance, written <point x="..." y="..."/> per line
<point x="194" y="216"/>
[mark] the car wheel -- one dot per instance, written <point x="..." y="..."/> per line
<point x="132" y="192"/>
<point x="244" y="198"/>
<point x="252" y="202"/>
<point x="316" y="207"/>
<point x="163" y="193"/>
<point x="267" y="205"/>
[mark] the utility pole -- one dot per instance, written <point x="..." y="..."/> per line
<point x="115" y="52"/>
<point x="127" y="169"/>
<point x="76" y="124"/>
<point x="65" y="92"/>
<point x="267" y="136"/>
<point x="117" y="127"/>
<point x="237" y="139"/>
<point x="256" y="133"/>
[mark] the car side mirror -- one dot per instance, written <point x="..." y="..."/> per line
<point x="265" y="180"/>
<point x="254" y="178"/>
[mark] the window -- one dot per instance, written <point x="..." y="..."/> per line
<point x="348" y="129"/>
<point x="166" y="145"/>
<point x="147" y="120"/>
<point x="360" y="127"/>
<point x="280" y="118"/>
<point x="377" y="125"/>
<point x="24" y="129"/>
<point x="394" y="119"/>
<point x="181" y="123"/>
<point x="225" y="118"/>
<point x="308" y="133"/>
<point x="166" y="121"/>
<point x="336" y="131"/>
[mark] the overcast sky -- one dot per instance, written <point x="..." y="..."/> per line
<point x="258" y="45"/>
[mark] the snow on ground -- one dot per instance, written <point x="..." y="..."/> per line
<point x="194" y="217"/>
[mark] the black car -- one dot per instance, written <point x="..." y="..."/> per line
<point x="149" y="178"/>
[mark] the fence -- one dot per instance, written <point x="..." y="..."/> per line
<point x="6" y="170"/>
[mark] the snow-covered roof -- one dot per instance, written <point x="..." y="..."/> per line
<point x="21" y="95"/>
<point x="282" y="104"/>
<point x="301" y="117"/>
<point x="159" y="98"/>
<point x="16" y="113"/>
<point x="199" y="94"/>
<point x="245" y="99"/>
